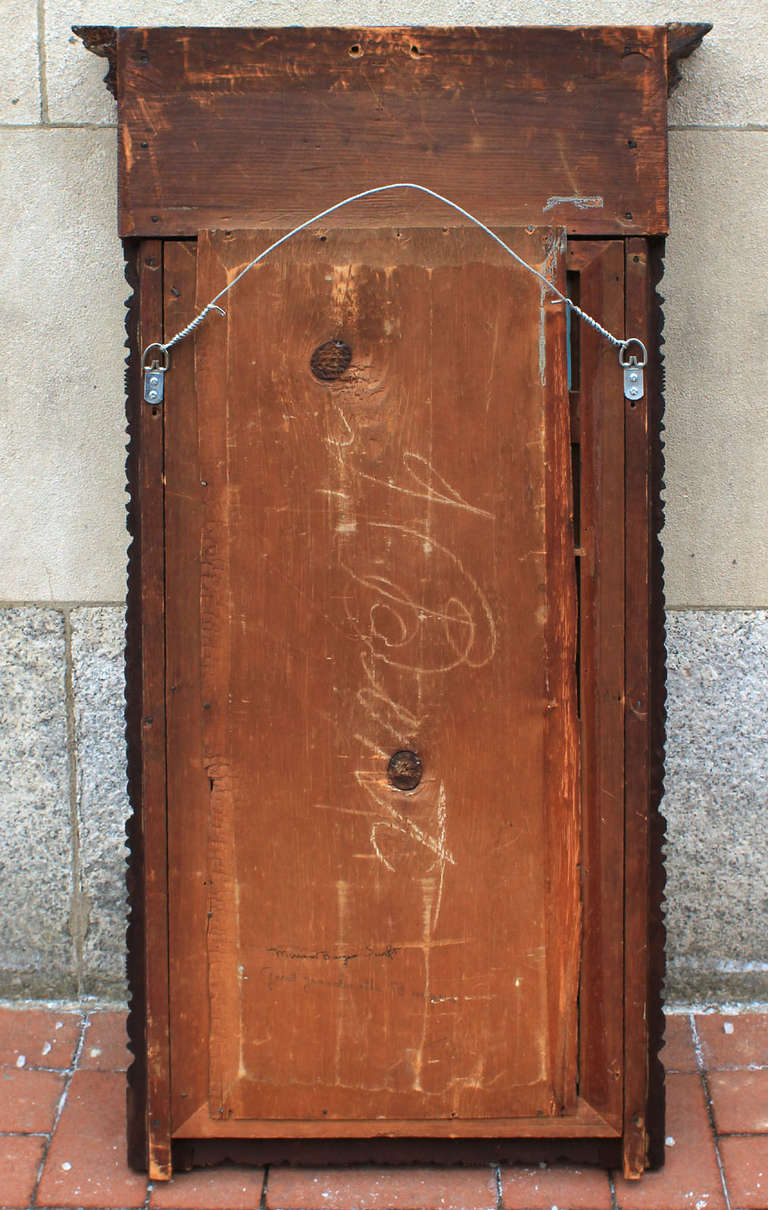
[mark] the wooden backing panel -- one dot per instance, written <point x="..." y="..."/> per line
<point x="637" y="729"/>
<point x="187" y="783"/>
<point x="601" y="444"/>
<point x="581" y="1122"/>
<point x="260" y="127"/>
<point x="149" y="423"/>
<point x="273" y="747"/>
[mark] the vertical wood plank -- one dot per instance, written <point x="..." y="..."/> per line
<point x="562" y="789"/>
<point x="187" y="783"/>
<point x="637" y="727"/>
<point x="600" y="435"/>
<point x="153" y="792"/>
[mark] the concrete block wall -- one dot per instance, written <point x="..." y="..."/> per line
<point x="62" y="536"/>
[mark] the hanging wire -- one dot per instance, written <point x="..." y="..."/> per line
<point x="618" y="343"/>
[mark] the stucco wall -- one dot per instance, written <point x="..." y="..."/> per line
<point x="62" y="537"/>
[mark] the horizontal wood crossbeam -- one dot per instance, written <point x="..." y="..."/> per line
<point x="254" y="127"/>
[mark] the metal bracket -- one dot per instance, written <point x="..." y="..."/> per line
<point x="154" y="374"/>
<point x="634" y="379"/>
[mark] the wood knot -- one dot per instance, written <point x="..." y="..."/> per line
<point x="330" y="360"/>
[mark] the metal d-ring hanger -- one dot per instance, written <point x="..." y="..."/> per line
<point x="631" y="362"/>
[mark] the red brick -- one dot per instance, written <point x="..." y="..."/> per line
<point x="381" y="1189"/>
<point x="740" y="1101"/>
<point x="678" y="1053"/>
<point x="86" y="1164"/>
<point x="547" y="1185"/>
<point x="739" y="1040"/>
<point x="690" y="1179"/>
<point x="45" y="1039"/>
<point x="20" y="1158"/>
<point x="105" y="1047"/>
<point x="745" y="1160"/>
<point x="213" y="1189"/>
<point x="28" y="1100"/>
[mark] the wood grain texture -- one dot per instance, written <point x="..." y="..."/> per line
<point x="637" y="733"/>
<point x="581" y="1122"/>
<point x="562" y="744"/>
<point x="264" y="127"/>
<point x="187" y="782"/>
<point x="385" y="565"/>
<point x="600" y="436"/>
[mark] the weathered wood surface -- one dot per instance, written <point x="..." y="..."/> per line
<point x="581" y="1123"/>
<point x="325" y="648"/>
<point x="187" y="783"/>
<point x="600" y="540"/>
<point x="260" y="127"/>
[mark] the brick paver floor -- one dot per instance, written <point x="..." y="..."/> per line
<point x="62" y="1126"/>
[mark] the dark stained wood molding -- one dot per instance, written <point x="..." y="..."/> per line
<point x="682" y="40"/>
<point x="645" y="723"/>
<point x="137" y="1071"/>
<point x="145" y="735"/>
<point x="658" y="716"/>
<point x="101" y="40"/>
<point x="194" y="1153"/>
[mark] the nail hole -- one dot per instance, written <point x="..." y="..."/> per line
<point x="355" y="51"/>
<point x="415" y="51"/>
<point x="628" y="214"/>
<point x="145" y="143"/>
